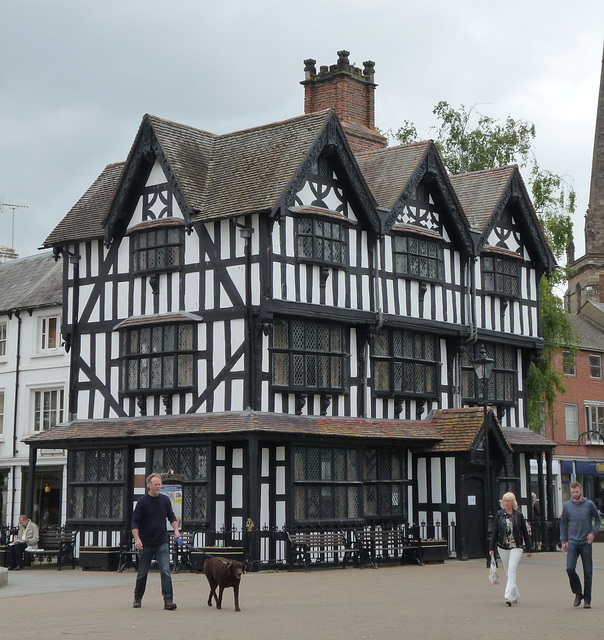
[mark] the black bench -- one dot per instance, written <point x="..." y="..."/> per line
<point x="388" y="544"/>
<point x="320" y="547"/>
<point x="54" y="544"/>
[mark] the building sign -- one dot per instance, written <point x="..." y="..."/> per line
<point x="174" y="492"/>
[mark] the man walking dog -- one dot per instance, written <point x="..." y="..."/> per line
<point x="151" y="539"/>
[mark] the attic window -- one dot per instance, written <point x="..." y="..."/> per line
<point x="157" y="249"/>
<point x="321" y="240"/>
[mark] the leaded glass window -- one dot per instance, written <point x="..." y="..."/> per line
<point x="157" y="358"/>
<point x="501" y="387"/>
<point x="405" y="363"/>
<point x="501" y="276"/>
<point x="159" y="249"/>
<point x="418" y="257"/>
<point x="97" y="487"/>
<point x="321" y="240"/>
<point x="308" y="355"/>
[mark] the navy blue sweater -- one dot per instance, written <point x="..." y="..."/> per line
<point x="149" y="518"/>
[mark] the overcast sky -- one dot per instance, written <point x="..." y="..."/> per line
<point x="78" y="76"/>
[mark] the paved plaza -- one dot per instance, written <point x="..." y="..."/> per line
<point x="448" y="601"/>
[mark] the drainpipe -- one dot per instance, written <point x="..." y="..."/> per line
<point x="17" y="374"/>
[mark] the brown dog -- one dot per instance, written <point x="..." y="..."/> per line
<point x="223" y="573"/>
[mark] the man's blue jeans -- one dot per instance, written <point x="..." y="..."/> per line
<point x="583" y="549"/>
<point x="161" y="553"/>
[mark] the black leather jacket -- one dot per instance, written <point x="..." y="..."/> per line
<point x="520" y="531"/>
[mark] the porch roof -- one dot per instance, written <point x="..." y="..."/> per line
<point x="525" y="438"/>
<point x="420" y="433"/>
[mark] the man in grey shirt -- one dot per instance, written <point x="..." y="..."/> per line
<point x="578" y="527"/>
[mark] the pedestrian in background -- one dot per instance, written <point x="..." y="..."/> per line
<point x="579" y="524"/>
<point x="510" y="534"/>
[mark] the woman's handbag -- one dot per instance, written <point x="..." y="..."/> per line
<point x="493" y="574"/>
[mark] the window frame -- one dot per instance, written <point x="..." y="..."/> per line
<point x="411" y="363"/>
<point x="595" y="410"/>
<point x="569" y="364"/>
<point x="141" y="364"/>
<point x="499" y="285"/>
<point x="501" y="377"/>
<point x="312" y="239"/>
<point x="151" y="231"/>
<point x="595" y="365"/>
<point x="3" y="339"/>
<point x="299" y="359"/>
<point x="403" y="254"/>
<point x="44" y="330"/>
<point x="39" y="410"/>
<point x="571" y="426"/>
<point x="85" y="491"/>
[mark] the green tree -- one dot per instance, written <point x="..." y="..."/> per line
<point x="470" y="141"/>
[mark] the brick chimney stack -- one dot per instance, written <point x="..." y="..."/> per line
<point x="351" y="93"/>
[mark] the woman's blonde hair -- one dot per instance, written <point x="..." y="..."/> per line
<point x="509" y="496"/>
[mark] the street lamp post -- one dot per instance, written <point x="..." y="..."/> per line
<point x="483" y="367"/>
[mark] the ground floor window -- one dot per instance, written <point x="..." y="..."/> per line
<point x="346" y="484"/>
<point x="97" y="486"/>
<point x="192" y="465"/>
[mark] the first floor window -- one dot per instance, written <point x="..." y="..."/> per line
<point x="594" y="420"/>
<point x="405" y="363"/>
<point x="49" y="338"/>
<point x="157" y="359"/>
<point x="501" y="387"/>
<point x="308" y="355"/>
<point x="332" y="483"/>
<point x="571" y="415"/>
<point x="2" y="339"/>
<point x="501" y="276"/>
<point x="97" y="485"/>
<point x="595" y="366"/>
<point x="48" y="408"/>
<point x="193" y="465"/>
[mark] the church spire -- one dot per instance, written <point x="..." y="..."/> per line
<point x="594" y="218"/>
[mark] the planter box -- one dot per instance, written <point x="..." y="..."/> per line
<point x="435" y="550"/>
<point x="99" y="558"/>
<point x="197" y="557"/>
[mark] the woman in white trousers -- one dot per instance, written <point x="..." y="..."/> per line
<point x="510" y="534"/>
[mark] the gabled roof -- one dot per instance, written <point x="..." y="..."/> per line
<point x="485" y="194"/>
<point x="393" y="173"/>
<point x="31" y="283"/>
<point x="213" y="176"/>
<point x="85" y="219"/>
<point x="588" y="326"/>
<point x="459" y="428"/>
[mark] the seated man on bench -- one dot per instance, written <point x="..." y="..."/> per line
<point x="28" y="536"/>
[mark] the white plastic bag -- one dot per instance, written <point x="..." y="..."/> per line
<point x="493" y="574"/>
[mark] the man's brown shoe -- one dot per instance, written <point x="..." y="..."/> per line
<point x="587" y="605"/>
<point x="136" y="604"/>
<point x="169" y="605"/>
<point x="578" y="599"/>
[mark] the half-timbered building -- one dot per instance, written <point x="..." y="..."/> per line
<point x="284" y="319"/>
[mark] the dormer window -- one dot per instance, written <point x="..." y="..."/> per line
<point x="157" y="248"/>
<point x="321" y="240"/>
<point x="418" y="257"/>
<point x="501" y="275"/>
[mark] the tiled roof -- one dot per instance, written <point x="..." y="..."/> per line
<point x="480" y="192"/>
<point x="84" y="220"/>
<point x="458" y="428"/>
<point x="218" y="175"/>
<point x="387" y="171"/>
<point x="589" y="334"/>
<point x="422" y="432"/>
<point x="31" y="282"/>
<point x="519" y="438"/>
